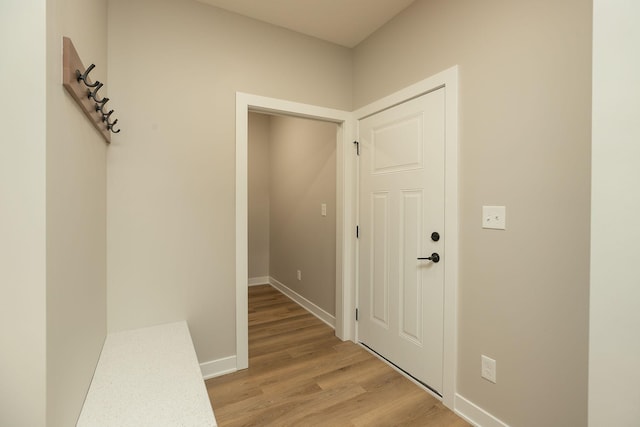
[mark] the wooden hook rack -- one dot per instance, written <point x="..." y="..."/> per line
<point x="75" y="79"/>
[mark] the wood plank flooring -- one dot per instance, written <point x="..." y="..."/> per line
<point x="300" y="374"/>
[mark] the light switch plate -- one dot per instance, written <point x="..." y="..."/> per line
<point x="323" y="209"/>
<point x="494" y="217"/>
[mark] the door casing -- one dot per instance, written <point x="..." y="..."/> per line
<point x="346" y="221"/>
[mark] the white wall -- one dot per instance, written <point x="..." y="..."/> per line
<point x="22" y="213"/>
<point x="174" y="69"/>
<point x="614" y="351"/>
<point x="76" y="214"/>
<point x="525" y="110"/>
<point x="53" y="216"/>
<point x="258" y="194"/>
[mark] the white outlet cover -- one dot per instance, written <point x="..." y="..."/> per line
<point x="494" y="217"/>
<point x="488" y="369"/>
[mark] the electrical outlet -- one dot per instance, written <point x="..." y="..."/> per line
<point x="488" y="369"/>
<point x="299" y="275"/>
<point x="494" y="217"/>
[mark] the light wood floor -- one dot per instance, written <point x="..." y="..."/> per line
<point x="300" y="374"/>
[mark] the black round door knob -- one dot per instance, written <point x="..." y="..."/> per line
<point x="435" y="236"/>
<point x="433" y="258"/>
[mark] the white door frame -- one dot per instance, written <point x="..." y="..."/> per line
<point x="449" y="80"/>
<point x="345" y="211"/>
<point x="346" y="208"/>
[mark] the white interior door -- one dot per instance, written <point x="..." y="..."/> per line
<point x="402" y="188"/>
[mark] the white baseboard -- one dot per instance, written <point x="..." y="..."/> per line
<point x="227" y="365"/>
<point x="262" y="280"/>
<point x="304" y="303"/>
<point x="216" y="368"/>
<point x="474" y="414"/>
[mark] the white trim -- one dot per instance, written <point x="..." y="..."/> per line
<point x="346" y="202"/>
<point x="256" y="281"/>
<point x="449" y="80"/>
<point x="321" y="314"/>
<point x="345" y="271"/>
<point x="474" y="414"/>
<point x="216" y="368"/>
<point x="242" y="234"/>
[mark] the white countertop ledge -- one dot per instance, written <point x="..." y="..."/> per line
<point x="148" y="377"/>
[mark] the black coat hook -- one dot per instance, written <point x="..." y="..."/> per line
<point x="94" y="93"/>
<point x="100" y="106"/>
<point x="105" y="117"/>
<point x="84" y="77"/>
<point x="111" y="125"/>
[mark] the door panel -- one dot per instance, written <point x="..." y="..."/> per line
<point x="410" y="281"/>
<point x="396" y="146"/>
<point x="380" y="262"/>
<point x="401" y="204"/>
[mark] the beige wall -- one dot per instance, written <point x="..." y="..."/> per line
<point x="22" y="214"/>
<point x="292" y="171"/>
<point x="76" y="214"/>
<point x="615" y="233"/>
<point x="302" y="177"/>
<point x="258" y="206"/>
<point x="174" y="66"/>
<point x="174" y="69"/>
<point x="525" y="86"/>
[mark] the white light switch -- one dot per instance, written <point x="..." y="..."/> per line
<point x="323" y="209"/>
<point x="494" y="217"/>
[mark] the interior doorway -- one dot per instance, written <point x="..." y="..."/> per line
<point x="345" y="218"/>
<point x="292" y="209"/>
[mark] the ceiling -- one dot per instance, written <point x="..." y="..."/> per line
<point x="344" y="22"/>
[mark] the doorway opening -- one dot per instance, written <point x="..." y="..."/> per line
<point x="292" y="209"/>
<point x="344" y="208"/>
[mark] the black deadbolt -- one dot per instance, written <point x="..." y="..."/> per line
<point x="435" y="236"/>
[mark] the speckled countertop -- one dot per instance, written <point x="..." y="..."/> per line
<point x="148" y="377"/>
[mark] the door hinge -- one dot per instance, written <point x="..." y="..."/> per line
<point x="357" y="147"/>
<point x="357" y="231"/>
<point x="356" y="314"/>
